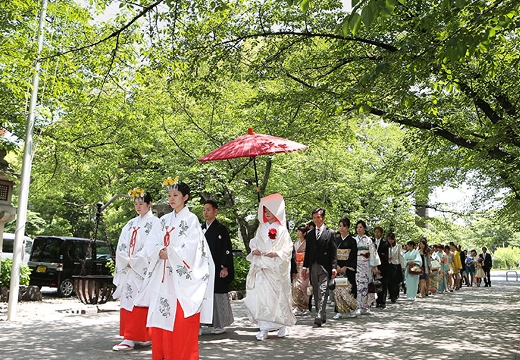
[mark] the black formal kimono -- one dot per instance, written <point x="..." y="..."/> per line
<point x="217" y="236"/>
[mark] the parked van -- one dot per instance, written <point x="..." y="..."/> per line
<point x="8" y="247"/>
<point x="55" y="259"/>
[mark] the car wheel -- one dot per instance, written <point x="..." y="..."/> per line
<point x="66" y="288"/>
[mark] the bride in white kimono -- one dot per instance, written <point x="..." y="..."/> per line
<point x="268" y="283"/>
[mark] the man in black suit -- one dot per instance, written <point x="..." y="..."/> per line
<point x="382" y="250"/>
<point x="217" y="236"/>
<point x="320" y="262"/>
<point x="487" y="264"/>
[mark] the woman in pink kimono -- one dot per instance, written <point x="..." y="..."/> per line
<point x="300" y="285"/>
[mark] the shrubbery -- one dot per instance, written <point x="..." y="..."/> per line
<point x="5" y="276"/>
<point x="241" y="270"/>
<point x="506" y="258"/>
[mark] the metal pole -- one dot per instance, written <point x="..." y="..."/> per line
<point x="26" y="177"/>
<point x="256" y="179"/>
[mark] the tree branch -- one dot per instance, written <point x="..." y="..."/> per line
<point x="479" y="102"/>
<point x="114" y="34"/>
<point x="433" y="207"/>
<point x="175" y="141"/>
<point x="495" y="152"/>
<point x="378" y="44"/>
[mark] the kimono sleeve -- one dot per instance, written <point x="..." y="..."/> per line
<point x="417" y="259"/>
<point x="401" y="257"/>
<point x="226" y="258"/>
<point x="122" y="257"/>
<point x="285" y="250"/>
<point x="155" y="242"/>
<point x="374" y="256"/>
<point x="252" y="246"/>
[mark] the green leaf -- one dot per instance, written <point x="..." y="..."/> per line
<point x="345" y="28"/>
<point x="390" y="6"/>
<point x="354" y="23"/>
<point x="460" y="3"/>
<point x="364" y="109"/>
<point x="304" y="5"/>
<point x="367" y="15"/>
<point x="491" y="32"/>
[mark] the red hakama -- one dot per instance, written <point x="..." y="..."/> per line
<point x="180" y="344"/>
<point x="132" y="324"/>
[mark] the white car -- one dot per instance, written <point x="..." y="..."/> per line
<point x="8" y="246"/>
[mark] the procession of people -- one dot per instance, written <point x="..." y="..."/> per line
<point x="173" y="274"/>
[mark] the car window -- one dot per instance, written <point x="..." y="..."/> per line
<point x="102" y="251"/>
<point x="82" y="248"/>
<point x="8" y="246"/>
<point x="46" y="250"/>
<point x="28" y="247"/>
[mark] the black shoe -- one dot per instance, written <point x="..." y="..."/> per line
<point x="382" y="306"/>
<point x="317" y="323"/>
<point x="393" y="301"/>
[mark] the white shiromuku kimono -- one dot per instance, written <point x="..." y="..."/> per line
<point x="186" y="276"/>
<point x="131" y="261"/>
<point x="268" y="284"/>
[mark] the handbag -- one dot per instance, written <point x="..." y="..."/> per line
<point x="375" y="286"/>
<point x="331" y="284"/>
<point x="436" y="265"/>
<point x="415" y="269"/>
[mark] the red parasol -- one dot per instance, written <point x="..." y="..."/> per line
<point x="252" y="145"/>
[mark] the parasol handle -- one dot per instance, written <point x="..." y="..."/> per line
<point x="256" y="178"/>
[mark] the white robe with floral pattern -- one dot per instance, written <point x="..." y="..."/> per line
<point x="186" y="276"/>
<point x="131" y="261"/>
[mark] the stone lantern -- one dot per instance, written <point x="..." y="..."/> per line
<point x="7" y="211"/>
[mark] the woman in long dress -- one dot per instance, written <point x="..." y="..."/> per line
<point x="411" y="257"/>
<point x="180" y="283"/>
<point x="300" y="299"/>
<point x="268" y="283"/>
<point x="449" y="274"/>
<point x="443" y="271"/>
<point x="479" y="270"/>
<point x="367" y="262"/>
<point x="130" y="271"/>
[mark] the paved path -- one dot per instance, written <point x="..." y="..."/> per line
<point x="472" y="323"/>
